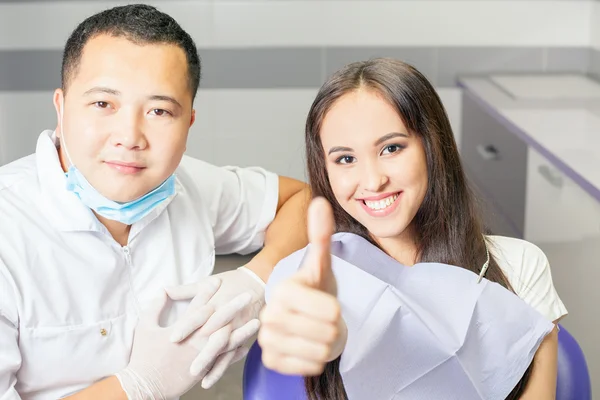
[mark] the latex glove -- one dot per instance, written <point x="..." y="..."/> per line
<point x="226" y="341"/>
<point x="302" y="327"/>
<point x="159" y="368"/>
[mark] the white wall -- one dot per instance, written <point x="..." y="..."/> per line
<point x="232" y="123"/>
<point x="236" y="127"/>
<point x="596" y="25"/>
<point x="23" y="115"/>
<point x="272" y="120"/>
<point x="595" y="40"/>
<point x="222" y="23"/>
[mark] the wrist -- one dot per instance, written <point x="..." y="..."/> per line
<point x="263" y="263"/>
<point x="128" y="385"/>
<point x="253" y="275"/>
<point x="118" y="391"/>
<point x="137" y="387"/>
<point x="109" y="388"/>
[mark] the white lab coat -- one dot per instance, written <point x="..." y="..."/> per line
<point x="70" y="294"/>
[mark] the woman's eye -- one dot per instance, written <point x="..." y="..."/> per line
<point x="101" y="104"/>
<point x="345" y="160"/>
<point x="391" y="149"/>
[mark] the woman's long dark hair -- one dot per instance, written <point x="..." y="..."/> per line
<point x="448" y="224"/>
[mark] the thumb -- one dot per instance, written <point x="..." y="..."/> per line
<point x="150" y="316"/>
<point x="203" y="290"/>
<point x="316" y="268"/>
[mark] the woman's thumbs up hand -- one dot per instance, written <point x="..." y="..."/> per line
<point x="302" y="326"/>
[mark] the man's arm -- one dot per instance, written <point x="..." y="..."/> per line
<point x="10" y="353"/>
<point x="108" y="389"/>
<point x="287" y="232"/>
<point x="241" y="203"/>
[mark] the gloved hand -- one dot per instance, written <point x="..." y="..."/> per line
<point x="225" y="343"/>
<point x="302" y="326"/>
<point x="159" y="368"/>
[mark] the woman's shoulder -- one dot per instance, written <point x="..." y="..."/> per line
<point x="516" y="254"/>
<point x="528" y="270"/>
<point x="521" y="261"/>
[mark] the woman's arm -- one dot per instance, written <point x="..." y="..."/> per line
<point x="542" y="384"/>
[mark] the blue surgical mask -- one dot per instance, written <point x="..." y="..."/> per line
<point x="126" y="213"/>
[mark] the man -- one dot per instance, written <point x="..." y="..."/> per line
<point x="108" y="214"/>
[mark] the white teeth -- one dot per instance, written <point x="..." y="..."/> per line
<point x="381" y="204"/>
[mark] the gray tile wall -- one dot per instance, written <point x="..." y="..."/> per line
<point x="595" y="63"/>
<point x="48" y="1"/>
<point x="258" y="68"/>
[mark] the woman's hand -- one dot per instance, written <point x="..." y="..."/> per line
<point x="302" y="325"/>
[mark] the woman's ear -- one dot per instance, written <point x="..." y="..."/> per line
<point x="193" y="118"/>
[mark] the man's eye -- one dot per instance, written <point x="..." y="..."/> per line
<point x="159" y="112"/>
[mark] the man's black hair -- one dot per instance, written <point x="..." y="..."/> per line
<point x="141" y="24"/>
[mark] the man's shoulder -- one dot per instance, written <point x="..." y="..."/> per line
<point x="22" y="171"/>
<point x="19" y="193"/>
<point x="199" y="176"/>
<point x="189" y="165"/>
<point x="194" y="176"/>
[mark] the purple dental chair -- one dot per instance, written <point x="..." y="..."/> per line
<point x="261" y="383"/>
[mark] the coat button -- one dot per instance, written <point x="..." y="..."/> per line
<point x="103" y="332"/>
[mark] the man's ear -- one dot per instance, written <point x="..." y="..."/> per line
<point x="58" y="100"/>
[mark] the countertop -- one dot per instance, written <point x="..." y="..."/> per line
<point x="558" y="115"/>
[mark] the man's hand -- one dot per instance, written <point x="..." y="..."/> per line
<point x="159" y="368"/>
<point x="225" y="336"/>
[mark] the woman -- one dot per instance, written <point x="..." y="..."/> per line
<point x="381" y="151"/>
